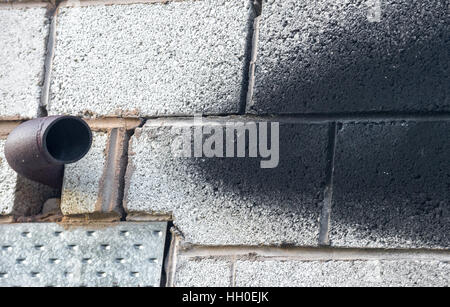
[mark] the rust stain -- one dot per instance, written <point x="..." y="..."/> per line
<point x="108" y="123"/>
<point x="109" y="187"/>
<point x="148" y="217"/>
<point x="96" y="220"/>
<point x="8" y="219"/>
<point x="6" y="127"/>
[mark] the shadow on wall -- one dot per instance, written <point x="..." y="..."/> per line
<point x="333" y="60"/>
<point x="392" y="183"/>
<point x="299" y="178"/>
<point x="30" y="196"/>
<point x="392" y="179"/>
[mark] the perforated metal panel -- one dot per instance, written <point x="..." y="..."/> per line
<point x="123" y="254"/>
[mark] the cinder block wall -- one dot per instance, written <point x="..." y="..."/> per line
<point x="361" y="193"/>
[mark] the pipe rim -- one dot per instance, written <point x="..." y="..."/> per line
<point x="51" y="158"/>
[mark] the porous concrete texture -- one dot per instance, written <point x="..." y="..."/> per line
<point x="151" y="59"/>
<point x="360" y="196"/>
<point x="48" y="254"/>
<point x="374" y="273"/>
<point x="392" y="185"/>
<point x="94" y="184"/>
<point x="332" y="56"/>
<point x="23" y="39"/>
<point x="20" y="196"/>
<point x="81" y="184"/>
<point x="8" y="183"/>
<point x="230" y="201"/>
<point x="203" y="272"/>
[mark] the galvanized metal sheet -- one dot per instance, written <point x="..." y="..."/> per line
<point x="47" y="254"/>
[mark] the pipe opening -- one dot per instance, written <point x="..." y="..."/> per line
<point x="68" y="139"/>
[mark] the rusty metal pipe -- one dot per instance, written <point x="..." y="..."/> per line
<point x="38" y="149"/>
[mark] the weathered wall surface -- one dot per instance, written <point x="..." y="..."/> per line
<point x="22" y="57"/>
<point x="228" y="201"/>
<point x="391" y="186"/>
<point x="360" y="90"/>
<point x="158" y="59"/>
<point x="327" y="57"/>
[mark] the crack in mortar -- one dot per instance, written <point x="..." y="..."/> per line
<point x="250" y="54"/>
<point x="170" y="263"/>
<point x="48" y="63"/>
<point x="69" y="3"/>
<point x="253" y="41"/>
<point x="125" y="168"/>
<point x="325" y="218"/>
<point x="326" y="117"/>
<point x="311" y="253"/>
<point x="107" y="187"/>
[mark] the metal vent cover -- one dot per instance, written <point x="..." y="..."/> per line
<point x="47" y="255"/>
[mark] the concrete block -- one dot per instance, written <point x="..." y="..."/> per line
<point x="202" y="272"/>
<point x="150" y="59"/>
<point x="20" y="196"/>
<point x="373" y="273"/>
<point x="392" y="185"/>
<point x="333" y="56"/>
<point x="23" y="39"/>
<point x="94" y="184"/>
<point x="230" y="201"/>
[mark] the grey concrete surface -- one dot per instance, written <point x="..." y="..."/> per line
<point x="202" y="272"/>
<point x="392" y="185"/>
<point x="327" y="56"/>
<point x="81" y="187"/>
<point x="150" y="59"/>
<point x="41" y="255"/>
<point x="20" y="196"/>
<point x="95" y="183"/>
<point x="374" y="273"/>
<point x="22" y="55"/>
<point x="230" y="201"/>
